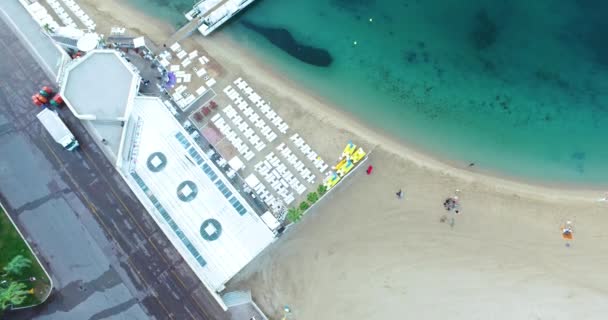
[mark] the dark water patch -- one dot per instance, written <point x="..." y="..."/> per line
<point x="416" y="54"/>
<point x="283" y="39"/>
<point x="488" y="66"/>
<point x="578" y="157"/>
<point x="410" y="56"/>
<point x="353" y="5"/>
<point x="551" y="77"/>
<point x="592" y="28"/>
<point x="484" y="32"/>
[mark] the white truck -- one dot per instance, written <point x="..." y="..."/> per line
<point x="60" y="133"/>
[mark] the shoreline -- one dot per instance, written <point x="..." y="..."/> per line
<point x="220" y="44"/>
<point x="328" y="111"/>
<point x="406" y="149"/>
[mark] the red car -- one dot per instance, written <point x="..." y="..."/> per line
<point x="57" y="101"/>
<point x="39" y="100"/>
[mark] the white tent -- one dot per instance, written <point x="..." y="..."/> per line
<point x="236" y="163"/>
<point x="139" y="42"/>
<point x="88" y="42"/>
<point x="270" y="220"/>
<point x="252" y="180"/>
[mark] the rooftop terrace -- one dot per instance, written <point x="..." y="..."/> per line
<point x="210" y="224"/>
<point x="101" y="86"/>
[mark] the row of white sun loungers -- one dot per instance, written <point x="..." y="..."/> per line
<point x="237" y="142"/>
<point x="278" y="176"/>
<point x="61" y="13"/>
<point x="244" y="128"/>
<point x="296" y="163"/>
<point x="255" y="98"/>
<point x="308" y="152"/>
<point x="164" y="57"/>
<point x="182" y="98"/>
<point x="117" y="31"/>
<point x="281" y="172"/>
<point x="42" y="16"/>
<point x="81" y="15"/>
<point x="75" y="8"/>
<point x="169" y="106"/>
<point x="185" y="101"/>
<point x="250" y="113"/>
<point x="181" y="54"/>
<point x="267" y="197"/>
<point x="181" y="76"/>
<point x="200" y="71"/>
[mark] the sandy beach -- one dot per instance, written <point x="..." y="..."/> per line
<point x="364" y="254"/>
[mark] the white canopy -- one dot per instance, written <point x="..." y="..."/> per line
<point x="139" y="42"/>
<point x="270" y="220"/>
<point x="252" y="180"/>
<point x="88" y="42"/>
<point x="236" y="163"/>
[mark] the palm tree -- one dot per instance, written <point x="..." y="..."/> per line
<point x="17" y="264"/>
<point x="13" y="295"/>
<point x="294" y="214"/>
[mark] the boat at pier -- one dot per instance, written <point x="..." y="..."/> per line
<point x="211" y="14"/>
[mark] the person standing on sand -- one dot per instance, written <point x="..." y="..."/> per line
<point x="400" y="194"/>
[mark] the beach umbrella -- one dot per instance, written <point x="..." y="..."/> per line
<point x="567" y="232"/>
<point x="88" y="41"/>
<point x="171" y="81"/>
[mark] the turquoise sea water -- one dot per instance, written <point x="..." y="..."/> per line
<point x="518" y="87"/>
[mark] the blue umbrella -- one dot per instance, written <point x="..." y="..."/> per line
<point x="172" y="80"/>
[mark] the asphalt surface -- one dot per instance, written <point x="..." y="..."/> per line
<point x="107" y="257"/>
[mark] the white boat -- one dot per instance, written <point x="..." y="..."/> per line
<point x="211" y="14"/>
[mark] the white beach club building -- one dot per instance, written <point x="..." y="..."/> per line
<point x="198" y="209"/>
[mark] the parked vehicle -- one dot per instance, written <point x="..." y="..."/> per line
<point x="46" y="97"/>
<point x="57" y="129"/>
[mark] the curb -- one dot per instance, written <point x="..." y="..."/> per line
<point x="37" y="260"/>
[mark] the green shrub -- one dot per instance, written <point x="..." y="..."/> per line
<point x="17" y="265"/>
<point x="321" y="190"/>
<point x="304" y="205"/>
<point x="12" y="295"/>
<point x="312" y="197"/>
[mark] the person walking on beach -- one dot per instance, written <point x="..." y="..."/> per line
<point x="400" y="194"/>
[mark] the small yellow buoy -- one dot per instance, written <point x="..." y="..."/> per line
<point x="371" y="20"/>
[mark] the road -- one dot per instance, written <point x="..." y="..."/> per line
<point x="107" y="257"/>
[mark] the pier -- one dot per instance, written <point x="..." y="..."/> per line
<point x="185" y="31"/>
